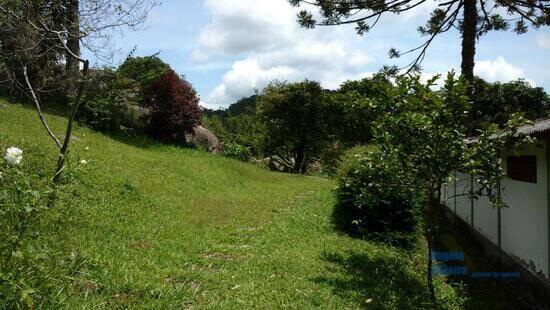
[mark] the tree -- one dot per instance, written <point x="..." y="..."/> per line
<point x="494" y="103"/>
<point x="423" y="135"/>
<point x="72" y="21"/>
<point x="144" y="70"/>
<point x="245" y="105"/>
<point x="471" y="17"/>
<point x="174" y="108"/>
<point x="295" y="124"/>
<point x="352" y="110"/>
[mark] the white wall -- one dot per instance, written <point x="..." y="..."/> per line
<point x="485" y="217"/>
<point x="524" y="224"/>
<point x="463" y="200"/>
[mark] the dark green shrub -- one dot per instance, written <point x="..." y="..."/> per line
<point x="376" y="199"/>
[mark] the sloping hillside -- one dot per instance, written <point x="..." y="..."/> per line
<point x="149" y="225"/>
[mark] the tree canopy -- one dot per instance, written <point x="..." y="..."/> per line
<point x="472" y="18"/>
<point x="494" y="103"/>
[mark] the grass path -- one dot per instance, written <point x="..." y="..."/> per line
<point x="145" y="225"/>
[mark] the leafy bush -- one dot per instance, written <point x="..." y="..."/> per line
<point x="376" y="199"/>
<point x="174" y="108"/>
<point x="354" y="108"/>
<point x="237" y="151"/>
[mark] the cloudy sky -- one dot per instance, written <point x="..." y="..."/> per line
<point x="228" y="49"/>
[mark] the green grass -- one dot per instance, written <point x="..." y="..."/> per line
<point x="145" y="225"/>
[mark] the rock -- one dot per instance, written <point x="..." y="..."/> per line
<point x="206" y="139"/>
<point x="276" y="163"/>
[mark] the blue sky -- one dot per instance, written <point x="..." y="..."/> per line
<point x="228" y="49"/>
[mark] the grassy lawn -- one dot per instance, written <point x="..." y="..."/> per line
<point x="155" y="226"/>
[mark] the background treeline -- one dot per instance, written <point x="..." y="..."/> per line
<point x="303" y="128"/>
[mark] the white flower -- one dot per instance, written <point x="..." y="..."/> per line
<point x="83" y="162"/>
<point x="14" y="156"/>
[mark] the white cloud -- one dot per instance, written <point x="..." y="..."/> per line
<point x="272" y="46"/>
<point x="265" y="42"/>
<point x="240" y="26"/>
<point x="331" y="63"/>
<point x="543" y="40"/>
<point x="499" y="70"/>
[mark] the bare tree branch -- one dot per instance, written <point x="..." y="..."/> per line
<point x="38" y="108"/>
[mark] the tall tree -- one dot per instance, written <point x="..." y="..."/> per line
<point x="73" y="37"/>
<point x="73" y="45"/>
<point x="295" y="124"/>
<point x="494" y="103"/>
<point x="473" y="18"/>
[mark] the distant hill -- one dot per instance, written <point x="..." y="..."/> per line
<point x="245" y="105"/>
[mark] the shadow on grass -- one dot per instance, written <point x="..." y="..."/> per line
<point x="380" y="279"/>
<point x="342" y="219"/>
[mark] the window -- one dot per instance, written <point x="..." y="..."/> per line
<point x="522" y="168"/>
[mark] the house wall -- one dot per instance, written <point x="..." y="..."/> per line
<point x="524" y="223"/>
<point x="485" y="217"/>
<point x="462" y="200"/>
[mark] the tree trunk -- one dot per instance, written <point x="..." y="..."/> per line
<point x="298" y="160"/>
<point x="68" y="133"/>
<point x="73" y="44"/>
<point x="429" y="233"/>
<point x="432" y="216"/>
<point x="469" y="32"/>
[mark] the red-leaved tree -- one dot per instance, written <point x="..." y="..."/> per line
<point x="174" y="108"/>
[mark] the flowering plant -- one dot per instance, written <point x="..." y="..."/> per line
<point x="22" y="200"/>
<point x="14" y="156"/>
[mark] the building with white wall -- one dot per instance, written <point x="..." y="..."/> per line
<point x="522" y="230"/>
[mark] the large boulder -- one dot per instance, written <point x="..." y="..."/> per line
<point x="206" y="139"/>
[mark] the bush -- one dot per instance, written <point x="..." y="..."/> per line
<point x="237" y="151"/>
<point x="174" y="108"/>
<point x="375" y="198"/>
